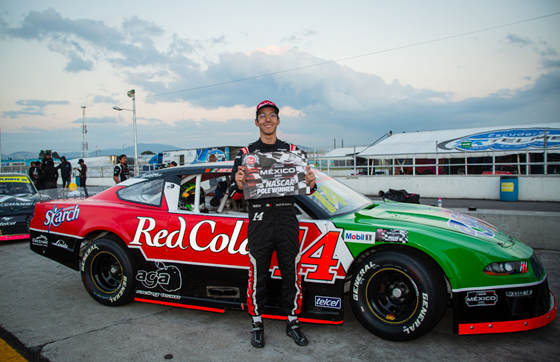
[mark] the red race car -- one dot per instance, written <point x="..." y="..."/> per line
<point x="156" y="239"/>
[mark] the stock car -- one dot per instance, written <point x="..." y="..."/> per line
<point x="18" y="196"/>
<point x="401" y="265"/>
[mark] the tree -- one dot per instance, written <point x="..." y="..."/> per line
<point x="147" y="153"/>
<point x="55" y="155"/>
<point x="42" y="154"/>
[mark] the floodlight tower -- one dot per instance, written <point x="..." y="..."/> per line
<point x="85" y="152"/>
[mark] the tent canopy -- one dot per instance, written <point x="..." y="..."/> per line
<point x="475" y="142"/>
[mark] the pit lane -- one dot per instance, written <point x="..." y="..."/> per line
<point x="45" y="306"/>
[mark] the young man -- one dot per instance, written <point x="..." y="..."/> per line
<point x="275" y="228"/>
<point x="83" y="175"/>
<point x="121" y="172"/>
<point x="65" y="171"/>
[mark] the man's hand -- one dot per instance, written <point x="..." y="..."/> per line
<point x="240" y="178"/>
<point x="309" y="177"/>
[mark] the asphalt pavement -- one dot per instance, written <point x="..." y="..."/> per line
<point x="45" y="306"/>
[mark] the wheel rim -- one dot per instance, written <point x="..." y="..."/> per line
<point x="392" y="295"/>
<point x="106" y="272"/>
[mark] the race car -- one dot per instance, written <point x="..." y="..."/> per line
<point x="400" y="264"/>
<point x="18" y="196"/>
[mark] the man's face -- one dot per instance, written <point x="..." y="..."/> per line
<point x="267" y="121"/>
<point x="123" y="160"/>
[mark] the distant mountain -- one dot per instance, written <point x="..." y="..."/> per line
<point x="129" y="151"/>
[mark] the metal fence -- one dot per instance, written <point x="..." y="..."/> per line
<point x="471" y="164"/>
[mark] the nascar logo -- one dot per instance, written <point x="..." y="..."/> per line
<point x="359" y="236"/>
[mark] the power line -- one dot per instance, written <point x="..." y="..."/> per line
<point x="353" y="57"/>
<point x="338" y="60"/>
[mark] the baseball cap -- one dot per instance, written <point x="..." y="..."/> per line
<point x="267" y="104"/>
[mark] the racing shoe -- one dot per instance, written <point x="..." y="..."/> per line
<point x="293" y="330"/>
<point x="258" y="335"/>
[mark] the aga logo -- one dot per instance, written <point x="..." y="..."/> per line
<point x="166" y="277"/>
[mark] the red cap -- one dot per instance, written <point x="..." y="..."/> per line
<point x="267" y="104"/>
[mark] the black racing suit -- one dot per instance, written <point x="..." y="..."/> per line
<point x="273" y="225"/>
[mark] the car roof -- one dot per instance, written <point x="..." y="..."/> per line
<point x="13" y="174"/>
<point x="207" y="167"/>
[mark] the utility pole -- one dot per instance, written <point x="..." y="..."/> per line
<point x="85" y="152"/>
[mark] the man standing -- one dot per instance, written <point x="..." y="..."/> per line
<point x="273" y="225"/>
<point x="83" y="175"/>
<point x="65" y="171"/>
<point x="121" y="172"/>
<point x="50" y="173"/>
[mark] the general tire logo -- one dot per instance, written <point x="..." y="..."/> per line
<point x="485" y="298"/>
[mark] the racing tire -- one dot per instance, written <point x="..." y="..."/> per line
<point x="107" y="272"/>
<point x="398" y="294"/>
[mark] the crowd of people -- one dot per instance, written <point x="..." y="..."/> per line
<point x="44" y="174"/>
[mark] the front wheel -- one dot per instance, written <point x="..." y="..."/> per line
<point x="107" y="272"/>
<point x="398" y="294"/>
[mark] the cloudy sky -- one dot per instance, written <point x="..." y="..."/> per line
<point x="348" y="71"/>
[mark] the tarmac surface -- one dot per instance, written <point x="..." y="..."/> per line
<point x="46" y="313"/>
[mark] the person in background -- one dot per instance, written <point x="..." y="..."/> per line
<point x="49" y="172"/>
<point x="121" y="172"/>
<point x="65" y="171"/>
<point x="34" y="174"/>
<point x="41" y="179"/>
<point x="83" y="175"/>
<point x="172" y="164"/>
<point x="219" y="183"/>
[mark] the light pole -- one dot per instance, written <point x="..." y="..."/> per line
<point x="132" y="94"/>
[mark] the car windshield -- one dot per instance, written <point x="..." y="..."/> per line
<point x="335" y="198"/>
<point x="15" y="185"/>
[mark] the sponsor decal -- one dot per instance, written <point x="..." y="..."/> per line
<point x="513" y="139"/>
<point x="7" y="218"/>
<point x="485" y="298"/>
<point x="391" y="236"/>
<point x="40" y="241"/>
<point x="421" y="316"/>
<point x="167" y="277"/>
<point x="62" y="244"/>
<point x="176" y="238"/>
<point x="390" y="317"/>
<point x="470" y="225"/>
<point x="354" y="236"/>
<point x="157" y="295"/>
<point x="57" y="216"/>
<point x="8" y="204"/>
<point x="8" y="223"/>
<point x="328" y="302"/>
<point x="218" y="170"/>
<point x="15" y="179"/>
<point x="151" y="174"/>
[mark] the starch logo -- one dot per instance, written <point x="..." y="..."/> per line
<point x="327" y="302"/>
<point x="57" y="216"/>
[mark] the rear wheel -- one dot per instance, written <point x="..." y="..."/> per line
<point x="398" y="294"/>
<point x="107" y="272"/>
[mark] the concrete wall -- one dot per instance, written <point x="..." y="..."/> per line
<point x="530" y="188"/>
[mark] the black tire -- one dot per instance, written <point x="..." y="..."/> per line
<point x="398" y="294"/>
<point x="107" y="272"/>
